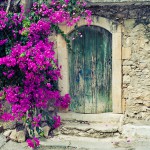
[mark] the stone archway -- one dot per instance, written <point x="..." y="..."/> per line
<point x="62" y="55"/>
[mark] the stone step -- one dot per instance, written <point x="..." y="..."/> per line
<point x="95" y="130"/>
<point x="99" y="118"/>
<point x="63" y="142"/>
<point x="136" y="131"/>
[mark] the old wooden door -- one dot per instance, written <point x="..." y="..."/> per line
<point x="90" y="70"/>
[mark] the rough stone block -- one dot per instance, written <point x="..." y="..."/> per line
<point x="20" y="136"/>
<point x="7" y="133"/>
<point x="13" y="135"/>
<point x="8" y="125"/>
<point x="129" y="23"/>
<point x="136" y="131"/>
<point x="126" y="53"/>
<point x="46" y="130"/>
<point x="126" y="69"/>
<point x="126" y="79"/>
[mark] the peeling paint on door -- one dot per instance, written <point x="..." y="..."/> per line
<point x="90" y="70"/>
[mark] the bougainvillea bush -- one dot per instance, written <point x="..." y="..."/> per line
<point x="29" y="71"/>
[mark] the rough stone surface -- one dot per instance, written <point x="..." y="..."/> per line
<point x="46" y="130"/>
<point x="136" y="71"/>
<point x="20" y="136"/>
<point x="2" y="140"/>
<point x="121" y="11"/>
<point x="80" y="143"/>
<point x="13" y="135"/>
<point x="92" y="118"/>
<point x="136" y="131"/>
<point x="83" y="143"/>
<point x="8" y="125"/>
<point x="14" y="146"/>
<point x="7" y="133"/>
<point x="85" y="129"/>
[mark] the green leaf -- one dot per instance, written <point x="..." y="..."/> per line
<point x="42" y="133"/>
<point x="26" y="23"/>
<point x="38" y="130"/>
<point x="24" y="118"/>
<point x="22" y="55"/>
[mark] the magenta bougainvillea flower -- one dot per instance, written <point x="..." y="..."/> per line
<point x="57" y="121"/>
<point x="2" y="42"/>
<point x="33" y="143"/>
<point x="30" y="71"/>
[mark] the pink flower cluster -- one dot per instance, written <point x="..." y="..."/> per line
<point x="7" y="117"/>
<point x="32" y="60"/>
<point x="42" y="27"/>
<point x="3" y="19"/>
<point x="18" y="18"/>
<point x="33" y="143"/>
<point x="57" y="121"/>
<point x="61" y="15"/>
<point x="88" y="17"/>
<point x="40" y="68"/>
<point x="36" y="120"/>
<point x="2" y="42"/>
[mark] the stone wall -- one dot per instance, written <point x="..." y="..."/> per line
<point x="136" y="69"/>
<point x="135" y="22"/>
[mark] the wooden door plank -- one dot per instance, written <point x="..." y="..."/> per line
<point x="76" y="65"/>
<point x="103" y="73"/>
<point x="88" y="70"/>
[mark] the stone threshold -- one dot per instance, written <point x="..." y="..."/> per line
<point x="93" y="118"/>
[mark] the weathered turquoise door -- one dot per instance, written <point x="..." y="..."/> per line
<point x="90" y="70"/>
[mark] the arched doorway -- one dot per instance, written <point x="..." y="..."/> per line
<point x="63" y="60"/>
<point x="90" y="70"/>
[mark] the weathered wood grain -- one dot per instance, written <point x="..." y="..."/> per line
<point x="90" y="65"/>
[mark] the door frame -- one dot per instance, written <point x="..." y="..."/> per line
<point x="62" y="56"/>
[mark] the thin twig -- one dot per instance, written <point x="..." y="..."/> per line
<point x="8" y="6"/>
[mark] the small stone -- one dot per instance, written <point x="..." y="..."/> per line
<point x="13" y="135"/>
<point x="130" y="87"/>
<point x="21" y="136"/>
<point x="128" y="63"/>
<point x="142" y="65"/>
<point x="126" y="79"/>
<point x="126" y="69"/>
<point x="91" y="131"/>
<point x="7" y="133"/>
<point x="145" y="71"/>
<point x="46" y="130"/>
<point x="116" y="134"/>
<point x="9" y="125"/>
